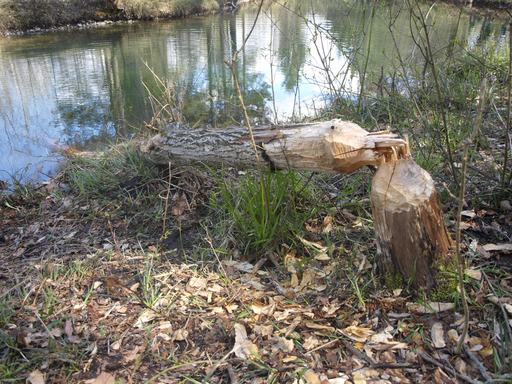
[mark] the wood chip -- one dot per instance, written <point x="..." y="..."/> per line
<point x="498" y="247"/>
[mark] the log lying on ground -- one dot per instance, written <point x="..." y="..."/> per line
<point x="331" y="147"/>
<point x="411" y="235"/>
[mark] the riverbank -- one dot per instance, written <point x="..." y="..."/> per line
<point x="24" y="15"/>
<point x="119" y="270"/>
<point x="27" y="15"/>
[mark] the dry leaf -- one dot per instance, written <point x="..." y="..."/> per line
<point x="475" y="274"/>
<point x="116" y="345"/>
<point x="388" y="346"/>
<point x="36" y="377"/>
<point x="453" y="335"/>
<point x="243" y="348"/>
<point x="97" y="284"/>
<point x="244" y="267"/>
<point x="311" y="377"/>
<point x="437" y="335"/>
<point x="319" y="326"/>
<point x="311" y="342"/>
<point x="68" y="328"/>
<point x="338" y="380"/>
<point x="382" y="337"/>
<point x="197" y="282"/>
<point x="280" y="316"/>
<point x="19" y="252"/>
<point x="103" y="378"/>
<point x="179" y="208"/>
<point x="290" y="294"/>
<point x="285" y="345"/>
<point x="134" y="354"/>
<point x="57" y="332"/>
<point x="144" y="318"/>
<point x="260" y="309"/>
<point x="164" y="336"/>
<point x="461" y="366"/>
<point x="359" y="334"/>
<point x="263" y="330"/>
<point x="308" y="277"/>
<point x="180" y="335"/>
<point x="331" y="309"/>
<point x="295" y="280"/>
<point x="322" y="257"/>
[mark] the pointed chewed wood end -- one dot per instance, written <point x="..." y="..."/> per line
<point x="332" y="147"/>
<point x="411" y="235"/>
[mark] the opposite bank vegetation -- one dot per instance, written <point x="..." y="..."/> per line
<point x="118" y="270"/>
<point x="25" y="15"/>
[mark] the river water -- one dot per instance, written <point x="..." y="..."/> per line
<point x="88" y="87"/>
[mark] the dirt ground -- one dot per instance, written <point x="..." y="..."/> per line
<point x="85" y="298"/>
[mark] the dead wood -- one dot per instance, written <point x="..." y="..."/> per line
<point x="411" y="235"/>
<point x="331" y="147"/>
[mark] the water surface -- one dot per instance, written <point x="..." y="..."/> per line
<point x="85" y="88"/>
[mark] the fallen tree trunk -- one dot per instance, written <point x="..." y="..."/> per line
<point x="331" y="147"/>
<point x="411" y="235"/>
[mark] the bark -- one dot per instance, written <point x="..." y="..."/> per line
<point x="332" y="147"/>
<point x="411" y="235"/>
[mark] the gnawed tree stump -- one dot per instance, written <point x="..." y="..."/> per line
<point x="411" y="235"/>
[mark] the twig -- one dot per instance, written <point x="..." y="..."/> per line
<point x="209" y="241"/>
<point x="114" y="238"/>
<point x="509" y="98"/>
<point x="210" y="373"/>
<point x="450" y="192"/>
<point x="177" y="366"/>
<point x="322" y="346"/>
<point x="453" y="371"/>
<point x="501" y="305"/>
<point x="355" y="351"/>
<point x="233" y="376"/>
<point x="166" y="207"/>
<point x="506" y="376"/>
<point x="16" y="349"/>
<point x="480" y="366"/>
<point x="429" y="58"/>
<point x="45" y="327"/>
<point x="372" y="16"/>
<point x="14" y="287"/>
<point x="466" y="143"/>
<point x="362" y="356"/>
<point x="478" y="170"/>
